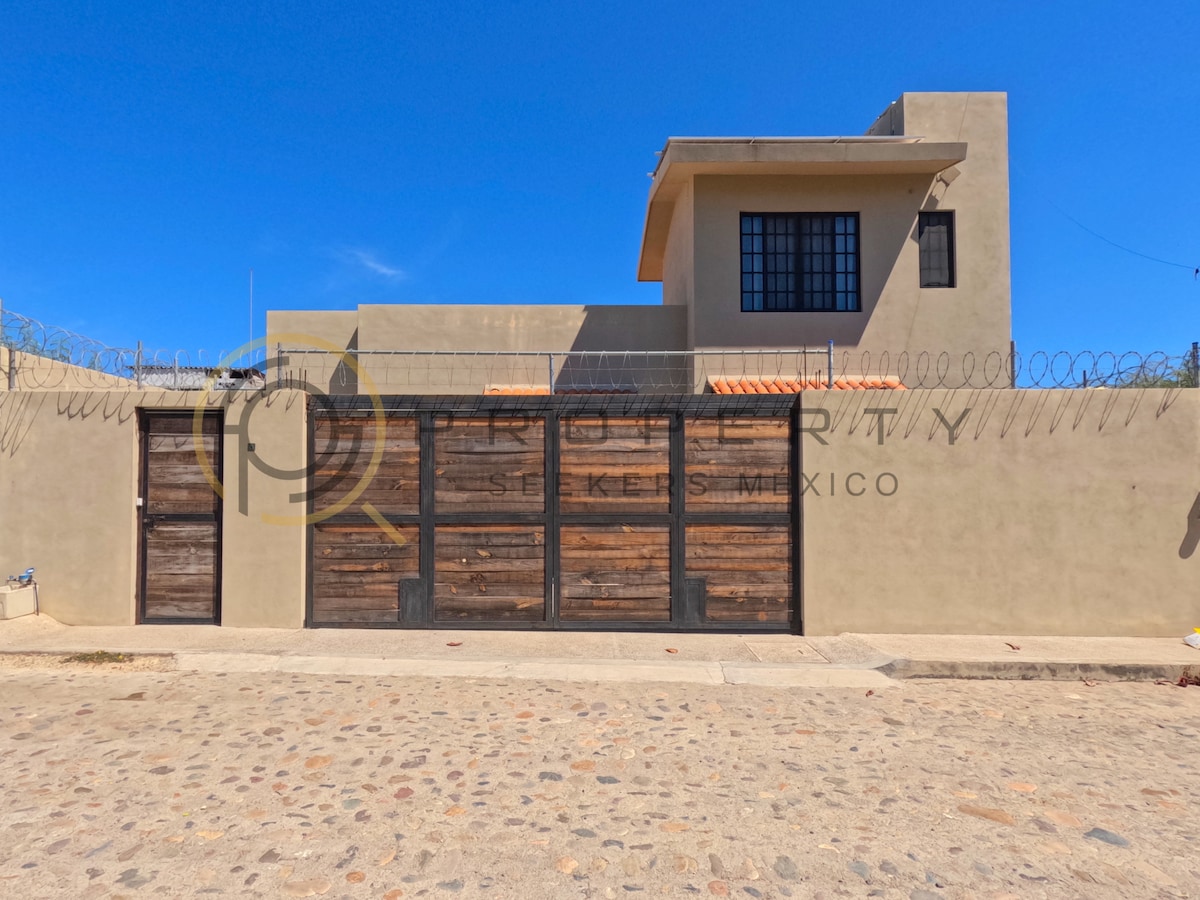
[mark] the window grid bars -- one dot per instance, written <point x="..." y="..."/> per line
<point x="935" y="237"/>
<point x="805" y="262"/>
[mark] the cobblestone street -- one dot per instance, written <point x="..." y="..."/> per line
<point x="167" y="783"/>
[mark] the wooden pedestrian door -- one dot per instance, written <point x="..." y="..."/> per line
<point x="180" y="519"/>
<point x="562" y="512"/>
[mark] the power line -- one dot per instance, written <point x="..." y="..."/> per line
<point x="1096" y="234"/>
<point x="1195" y="270"/>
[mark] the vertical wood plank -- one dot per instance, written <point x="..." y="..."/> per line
<point x="180" y="523"/>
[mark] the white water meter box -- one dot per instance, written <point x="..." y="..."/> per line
<point x="17" y="601"/>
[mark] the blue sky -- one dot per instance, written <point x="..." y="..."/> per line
<point x="151" y="154"/>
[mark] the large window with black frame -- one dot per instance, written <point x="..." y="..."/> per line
<point x="800" y="262"/>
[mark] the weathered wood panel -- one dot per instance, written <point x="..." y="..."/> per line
<point x="183" y="445"/>
<point x="737" y="464"/>
<point x="609" y="573"/>
<point x="748" y="569"/>
<point x="180" y="470"/>
<point x="345" y="464"/>
<point x="160" y="424"/>
<point x="615" y="573"/>
<point x="615" y="465"/>
<point x="179" y="516"/>
<point x="357" y="569"/>
<point x="181" y="570"/>
<point x="489" y="573"/>
<point x="483" y="465"/>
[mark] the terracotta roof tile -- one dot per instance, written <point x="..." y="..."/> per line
<point x="795" y="385"/>
<point x="517" y="391"/>
<point x="722" y="386"/>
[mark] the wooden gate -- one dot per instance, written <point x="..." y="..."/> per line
<point x="180" y="546"/>
<point x="555" y="512"/>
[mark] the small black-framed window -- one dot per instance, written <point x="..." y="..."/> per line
<point x="935" y="235"/>
<point x="800" y="262"/>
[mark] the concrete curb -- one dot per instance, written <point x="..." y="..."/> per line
<point x="1035" y="670"/>
<point x="602" y="670"/>
<point x="575" y="670"/>
<point x="764" y="674"/>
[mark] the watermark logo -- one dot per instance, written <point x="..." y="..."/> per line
<point x="358" y="437"/>
<point x="352" y="453"/>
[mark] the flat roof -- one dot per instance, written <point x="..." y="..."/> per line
<point x="682" y="158"/>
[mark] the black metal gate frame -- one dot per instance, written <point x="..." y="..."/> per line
<point x="687" y="612"/>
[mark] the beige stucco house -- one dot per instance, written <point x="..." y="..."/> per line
<point x="416" y="499"/>
<point x="894" y="241"/>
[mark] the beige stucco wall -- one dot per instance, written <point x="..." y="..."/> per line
<point x="979" y="196"/>
<point x="68" y="479"/>
<point x="467" y="328"/>
<point x="470" y="327"/>
<point x="68" y="488"/>
<point x="38" y="373"/>
<point x="264" y="559"/>
<point x="335" y="326"/>
<point x="897" y="314"/>
<point x="679" y="257"/>
<point x="324" y="329"/>
<point x="1054" y="512"/>
<point x="891" y="315"/>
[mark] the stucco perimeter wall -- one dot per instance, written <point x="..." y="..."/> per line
<point x="39" y="373"/>
<point x="264" y="559"/>
<point x="69" y="466"/>
<point x="68" y="480"/>
<point x="1052" y="512"/>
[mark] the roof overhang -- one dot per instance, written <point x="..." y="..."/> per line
<point x="683" y="158"/>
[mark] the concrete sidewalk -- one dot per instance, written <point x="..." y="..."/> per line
<point x="847" y="660"/>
